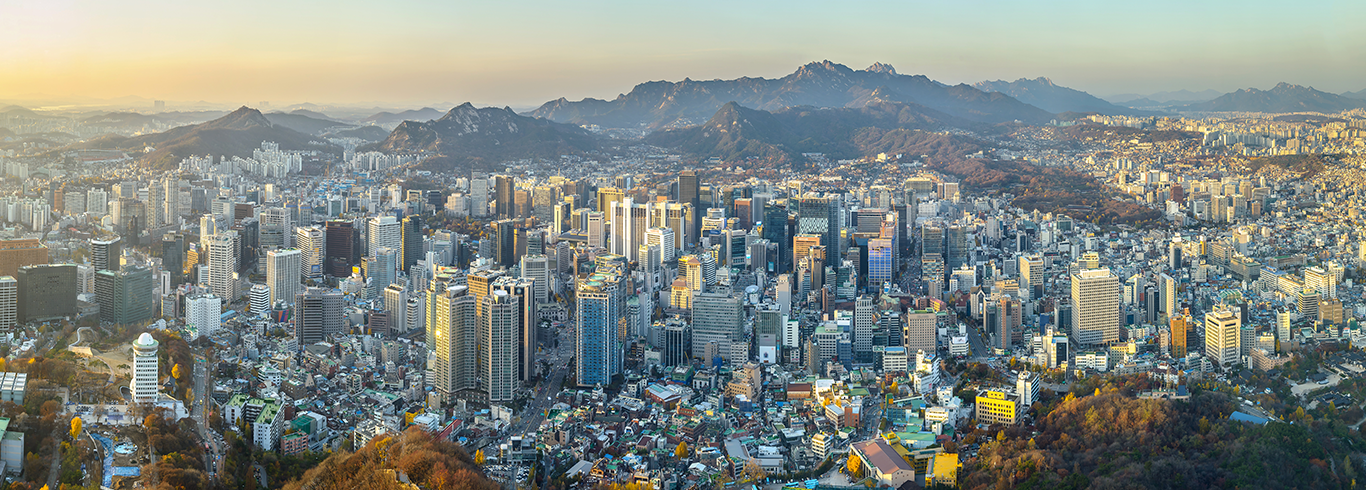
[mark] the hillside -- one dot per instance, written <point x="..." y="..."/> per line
<point x="1044" y="94"/>
<point x="737" y="133"/>
<point x="428" y="463"/>
<point x="1283" y="97"/>
<point x="369" y="133"/>
<point x="302" y="122"/>
<point x="468" y="139"/>
<point x="235" y="134"/>
<point x="1113" y="440"/>
<point x="823" y="85"/>
<point x="389" y="118"/>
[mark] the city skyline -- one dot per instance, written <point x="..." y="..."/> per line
<point x="424" y="53"/>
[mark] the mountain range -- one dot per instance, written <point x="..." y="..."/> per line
<point x="235" y="134"/>
<point x="655" y="105"/>
<point x="1284" y="97"/>
<point x="1044" y="94"/>
<point x="467" y="138"/>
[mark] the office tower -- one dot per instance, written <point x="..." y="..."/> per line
<point x="776" y="232"/>
<point x="543" y="201"/>
<point x="931" y="240"/>
<point x="1089" y="260"/>
<point x="156" y="204"/>
<point x="919" y="332"/>
<point x="223" y="250"/>
<point x="1174" y="258"/>
<point x="677" y="343"/>
<point x="104" y="254"/>
<point x="381" y="267"/>
<point x="1166" y="294"/>
<point x="1330" y="311"/>
<point x="524" y="289"/>
<point x="1179" y="328"/>
<point x="596" y="229"/>
<point x="1222" y="336"/>
<point x="881" y="262"/>
<point x="47" y="292"/>
<point x="1095" y="299"/>
<point x="276" y="229"/>
<point x="537" y="268"/>
<point x="863" y="325"/>
<point x="341" y="239"/>
<point x="716" y="318"/>
<point x="479" y="196"/>
<point x="1283" y="330"/>
<point x="143" y="386"/>
<point x="817" y="215"/>
<point x="126" y="296"/>
<point x="689" y="188"/>
<point x="1031" y="275"/>
<point x="503" y="196"/>
<point x="783" y="288"/>
<point x="396" y="304"/>
<point x="412" y="241"/>
<point x="9" y="302"/>
<point x="173" y="257"/>
<point x="1322" y="281"/>
<point x="481" y="282"/>
<point x="312" y="244"/>
<point x="957" y="244"/>
<point x="455" y="340"/>
<point x="384" y="231"/>
<point x="97" y="202"/>
<point x="1308" y="302"/>
<point x="664" y="238"/>
<point x="202" y="311"/>
<point x="521" y="203"/>
<point x="318" y="315"/>
<point x="498" y="346"/>
<point x="171" y="202"/>
<point x="258" y="300"/>
<point x="282" y="274"/>
<point x="597" y="351"/>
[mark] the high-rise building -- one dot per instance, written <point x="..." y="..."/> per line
<point x="9" y="303"/>
<point x="126" y="296"/>
<point x="312" y="244"/>
<point x="1222" y="336"/>
<point x="819" y="215"/>
<point x="384" y="231"/>
<point x="524" y="289"/>
<point x="258" y="298"/>
<point x="276" y="230"/>
<point x="499" y="323"/>
<point x="1322" y="281"/>
<point x="597" y="351"/>
<point x="47" y="292"/>
<point x="143" y="386"/>
<point x="1180" y="327"/>
<point x="412" y="241"/>
<point x="202" y="311"/>
<point x="1031" y="275"/>
<point x="456" y="335"/>
<point x="1095" y="299"/>
<point x="381" y="267"/>
<point x="173" y="257"/>
<point x="537" y="268"/>
<point x="282" y="274"/>
<point x="920" y="331"/>
<point x="1283" y="328"/>
<point x="104" y="254"/>
<point x="503" y="196"/>
<point x="396" y="303"/>
<point x="341" y="246"/>
<point x="716" y="318"/>
<point x="863" y="325"/>
<point x="223" y="250"/>
<point x="881" y="262"/>
<point x="317" y="315"/>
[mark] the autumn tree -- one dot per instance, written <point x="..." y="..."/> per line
<point x="75" y="427"/>
<point x="175" y="371"/>
<point x="681" y="451"/>
<point x="854" y="466"/>
<point x="753" y="471"/>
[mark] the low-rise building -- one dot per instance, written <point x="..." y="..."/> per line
<point x="882" y="463"/>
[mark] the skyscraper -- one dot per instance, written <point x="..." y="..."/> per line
<point x="223" y="250"/>
<point x="202" y="311"/>
<point x="1095" y="299"/>
<point x="143" y="385"/>
<point x="597" y="350"/>
<point x="282" y="274"/>
<point x="863" y="325"/>
<point x="503" y="195"/>
<point x="47" y="292"/>
<point x="384" y="231"/>
<point x="126" y="296"/>
<point x="819" y="215"/>
<point x="412" y="241"/>
<point x="312" y="245"/>
<point x="104" y="254"/>
<point x="317" y="315"/>
<point x="456" y="341"/>
<point x="920" y="331"/>
<point x="341" y="246"/>
<point x="719" y="318"/>
<point x="499" y="323"/>
<point x="173" y="257"/>
<point x="9" y="303"/>
<point x="1222" y="336"/>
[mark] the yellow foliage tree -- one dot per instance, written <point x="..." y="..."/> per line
<point x="75" y="427"/>
<point x="175" y="371"/>
<point x="479" y="457"/>
<point x="855" y="466"/>
<point x="681" y="451"/>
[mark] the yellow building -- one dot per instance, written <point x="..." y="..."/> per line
<point x="995" y="407"/>
<point x="945" y="469"/>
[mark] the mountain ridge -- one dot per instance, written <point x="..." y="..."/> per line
<point x="467" y="138"/>
<point x="1284" y="97"/>
<point x="1041" y="92"/>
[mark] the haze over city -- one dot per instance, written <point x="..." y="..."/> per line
<point x="524" y="53"/>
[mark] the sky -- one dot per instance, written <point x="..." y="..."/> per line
<point x="411" y="52"/>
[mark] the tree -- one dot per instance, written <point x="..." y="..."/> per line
<point x="479" y="457"/>
<point x="175" y="371"/>
<point x="854" y="465"/>
<point x="754" y="472"/>
<point x="681" y="451"/>
<point x="75" y="427"/>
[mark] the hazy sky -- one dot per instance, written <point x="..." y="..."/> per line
<point x="527" y="52"/>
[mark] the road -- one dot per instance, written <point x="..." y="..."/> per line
<point x="213" y="463"/>
<point x="542" y="399"/>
